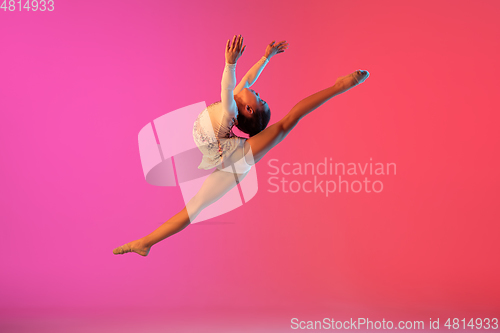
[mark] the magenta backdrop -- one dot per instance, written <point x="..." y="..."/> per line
<point x="77" y="84"/>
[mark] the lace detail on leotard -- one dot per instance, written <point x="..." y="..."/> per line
<point x="215" y="148"/>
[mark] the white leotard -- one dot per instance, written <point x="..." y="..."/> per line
<point x="212" y="130"/>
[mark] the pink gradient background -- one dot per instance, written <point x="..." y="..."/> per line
<point x="78" y="84"/>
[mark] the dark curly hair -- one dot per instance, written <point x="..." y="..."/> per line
<point x="255" y="123"/>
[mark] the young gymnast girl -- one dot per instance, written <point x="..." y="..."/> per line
<point x="233" y="156"/>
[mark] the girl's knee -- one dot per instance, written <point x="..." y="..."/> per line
<point x="194" y="207"/>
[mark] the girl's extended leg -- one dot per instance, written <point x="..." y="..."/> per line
<point x="263" y="142"/>
<point x="214" y="187"/>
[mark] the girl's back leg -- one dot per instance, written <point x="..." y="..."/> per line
<point x="215" y="186"/>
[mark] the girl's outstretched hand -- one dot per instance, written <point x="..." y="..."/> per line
<point x="234" y="50"/>
<point x="273" y="49"/>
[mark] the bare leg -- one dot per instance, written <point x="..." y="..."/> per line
<point x="263" y="142"/>
<point x="214" y="187"/>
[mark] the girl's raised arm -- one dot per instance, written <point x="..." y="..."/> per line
<point x="227" y="86"/>
<point x="253" y="74"/>
<point x="228" y="83"/>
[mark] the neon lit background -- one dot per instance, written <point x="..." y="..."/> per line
<point x="77" y="84"/>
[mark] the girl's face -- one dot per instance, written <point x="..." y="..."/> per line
<point x="252" y="98"/>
